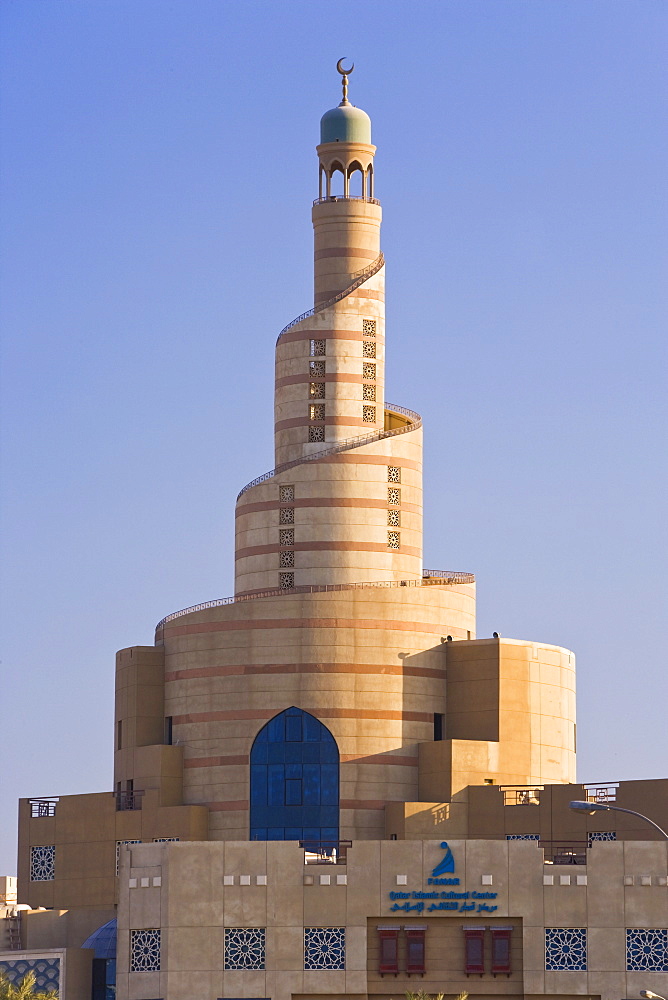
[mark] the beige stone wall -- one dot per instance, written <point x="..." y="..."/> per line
<point x="367" y="662"/>
<point x="203" y="888"/>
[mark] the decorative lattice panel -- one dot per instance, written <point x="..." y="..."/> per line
<point x="316" y="434"/>
<point x="394" y="518"/>
<point x="119" y="844"/>
<point x="316" y="368"/>
<point x="522" y="836"/>
<point x="287" y="559"/>
<point x="43" y="863"/>
<point x="369" y="370"/>
<point x="368" y="349"/>
<point x="286" y="515"/>
<point x="601" y="835"/>
<point x="324" y="948"/>
<point x="369" y="327"/>
<point x="244" y="948"/>
<point x="46" y="972"/>
<point x="286" y="581"/>
<point x="316" y="390"/>
<point x="368" y="392"/>
<point x="369" y="414"/>
<point x="286" y="494"/>
<point x="393" y="495"/>
<point x="165" y="840"/>
<point x="317" y="347"/>
<point x="647" y="949"/>
<point x="145" y="950"/>
<point x="393" y="540"/>
<point x="393" y="474"/>
<point x="565" y="949"/>
<point x="316" y="411"/>
<point x="286" y="536"/>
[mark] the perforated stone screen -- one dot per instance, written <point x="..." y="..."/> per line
<point x="369" y="327"/>
<point x="393" y="540"/>
<point x="287" y="558"/>
<point x="145" y="950"/>
<point x="566" y="949"/>
<point x="286" y="581"/>
<point x="369" y="414"/>
<point x="368" y="349"/>
<point x="324" y="948"/>
<point x="286" y="494"/>
<point x="647" y="949"/>
<point x="393" y="474"/>
<point x="286" y="515"/>
<point x="369" y="370"/>
<point x="393" y="495"/>
<point x="316" y="411"/>
<point x="43" y="863"/>
<point x="244" y="948"/>
<point x="286" y="536"/>
<point x="317" y="368"/>
<point x="368" y="392"/>
<point x="316" y="434"/>
<point x="316" y="390"/>
<point x="394" y="518"/>
<point x="317" y="347"/>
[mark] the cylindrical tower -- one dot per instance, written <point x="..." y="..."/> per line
<point x="344" y="503"/>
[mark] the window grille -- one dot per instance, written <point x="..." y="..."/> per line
<point x="287" y="559"/>
<point x="286" y="536"/>
<point x="145" y="950"/>
<point x="647" y="949"/>
<point x="316" y="434"/>
<point x="368" y="349"/>
<point x="369" y="327"/>
<point x="286" y="494"/>
<point x="601" y="835"/>
<point x="286" y="515"/>
<point x="393" y="474"/>
<point x="393" y="539"/>
<point x="369" y="371"/>
<point x="369" y="414"/>
<point x="316" y="411"/>
<point x="393" y="495"/>
<point x="286" y="581"/>
<point x="317" y="347"/>
<point x="565" y="949"/>
<point x="324" y="948"/>
<point x="316" y="368"/>
<point x="394" y="518"/>
<point x="43" y="863"/>
<point x="244" y="948"/>
<point x="368" y="392"/>
<point x="316" y="390"/>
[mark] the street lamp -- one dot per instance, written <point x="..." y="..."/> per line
<point x="594" y="807"/>
<point x="648" y="995"/>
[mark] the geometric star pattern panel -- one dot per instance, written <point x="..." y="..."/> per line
<point x="42" y="863"/>
<point x="647" y="949"/>
<point x="600" y="835"/>
<point x="244" y="947"/>
<point x="145" y="950"/>
<point x="324" y="948"/>
<point x="47" y="972"/>
<point x="565" y="949"/>
<point x="522" y="836"/>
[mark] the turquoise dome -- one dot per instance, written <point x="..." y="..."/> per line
<point x="345" y="124"/>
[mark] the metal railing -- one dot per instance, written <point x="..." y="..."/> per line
<point x="359" y="277"/>
<point x="128" y="801"/>
<point x="521" y="795"/>
<point x="601" y="792"/>
<point x="325" y="852"/>
<point x="42" y="807"/>
<point x="564" y="852"/>
<point x="350" y="197"/>
<point x="346" y="445"/>
<point x="442" y="577"/>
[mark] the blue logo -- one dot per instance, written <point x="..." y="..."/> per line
<point x="447" y="864"/>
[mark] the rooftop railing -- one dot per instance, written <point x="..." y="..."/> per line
<point x="443" y="577"/>
<point x="564" y="852"/>
<point x="603" y="792"/>
<point x="521" y="795"/>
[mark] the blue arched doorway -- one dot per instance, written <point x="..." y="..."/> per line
<point x="294" y="780"/>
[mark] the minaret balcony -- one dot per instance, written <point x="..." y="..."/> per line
<point x="340" y="197"/>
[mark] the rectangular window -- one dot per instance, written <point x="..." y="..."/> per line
<point x="168" y="737"/>
<point x="501" y="950"/>
<point x="388" y="957"/>
<point x="317" y="348"/>
<point x="439" y="727"/>
<point x="316" y="390"/>
<point x="474" y="951"/>
<point x="415" y="951"/>
<point x="119" y="734"/>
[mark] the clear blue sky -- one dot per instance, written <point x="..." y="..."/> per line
<point x="158" y="173"/>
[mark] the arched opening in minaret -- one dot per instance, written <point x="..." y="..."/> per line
<point x="355" y="180"/>
<point x="369" y="181"/>
<point x="294" y="780"/>
<point x="336" y="182"/>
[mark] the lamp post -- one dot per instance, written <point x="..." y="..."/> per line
<point x="648" y="995"/>
<point x="594" y="807"/>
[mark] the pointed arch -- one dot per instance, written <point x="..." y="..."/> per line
<point x="294" y="780"/>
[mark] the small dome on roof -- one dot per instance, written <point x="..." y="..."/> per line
<point x="345" y="124"/>
<point x="103" y="940"/>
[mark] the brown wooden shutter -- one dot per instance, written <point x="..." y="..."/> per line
<point x="388" y="955"/>
<point x="415" y="951"/>
<point x="501" y="950"/>
<point x="474" y="951"/>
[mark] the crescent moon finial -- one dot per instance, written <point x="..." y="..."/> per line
<point x="344" y="73"/>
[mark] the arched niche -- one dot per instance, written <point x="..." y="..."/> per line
<point x="294" y="780"/>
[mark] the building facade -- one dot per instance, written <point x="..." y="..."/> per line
<point x="327" y="784"/>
